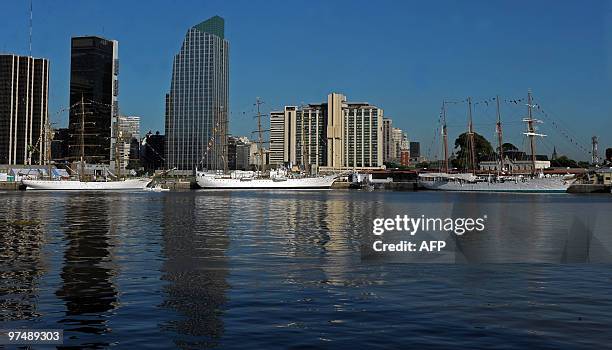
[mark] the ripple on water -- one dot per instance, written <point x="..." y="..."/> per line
<point x="283" y="269"/>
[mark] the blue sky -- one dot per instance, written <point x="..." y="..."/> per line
<point x="404" y="56"/>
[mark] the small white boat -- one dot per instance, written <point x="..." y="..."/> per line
<point x="77" y="185"/>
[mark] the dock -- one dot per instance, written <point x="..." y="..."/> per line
<point x="11" y="186"/>
<point x="589" y="188"/>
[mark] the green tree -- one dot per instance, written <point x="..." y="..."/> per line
<point x="422" y="165"/>
<point x="583" y="164"/>
<point x="564" y="162"/>
<point x="482" y="148"/>
<point x="507" y="146"/>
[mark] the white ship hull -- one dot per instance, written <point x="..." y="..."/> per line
<point x="528" y="185"/>
<point x="76" y="185"/>
<point x="211" y="181"/>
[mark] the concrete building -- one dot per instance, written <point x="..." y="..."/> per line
<point x="332" y="135"/>
<point x="277" y="137"/>
<point x="405" y="157"/>
<point x="516" y="164"/>
<point x="362" y="136"/>
<point x="129" y="127"/>
<point x="603" y="176"/>
<point x="337" y="131"/>
<point x="396" y="147"/>
<point x="197" y="105"/>
<point x="298" y="134"/>
<point x="387" y="144"/>
<point x="399" y="142"/>
<point x="24" y="94"/>
<point x="243" y="156"/>
<point x="94" y="70"/>
<point x="308" y="136"/>
<point x="127" y="131"/>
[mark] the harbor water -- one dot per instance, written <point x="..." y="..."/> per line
<point x="212" y="269"/>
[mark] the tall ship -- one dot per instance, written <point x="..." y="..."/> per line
<point x="281" y="179"/>
<point x="275" y="179"/>
<point x="81" y="183"/>
<point x="533" y="182"/>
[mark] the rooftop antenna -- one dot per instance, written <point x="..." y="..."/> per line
<point x="30" y="28"/>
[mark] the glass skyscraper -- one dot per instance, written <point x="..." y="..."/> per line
<point x="94" y="70"/>
<point x="197" y="104"/>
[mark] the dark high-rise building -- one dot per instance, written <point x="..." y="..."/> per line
<point x="152" y="151"/>
<point x="94" y="67"/>
<point x="59" y="145"/>
<point x="231" y="152"/>
<point x="24" y="92"/>
<point x="415" y="150"/>
<point x="197" y="105"/>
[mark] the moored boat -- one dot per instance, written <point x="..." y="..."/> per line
<point x="276" y="180"/>
<point x="534" y="182"/>
<point x="473" y="183"/>
<point x="78" y="185"/>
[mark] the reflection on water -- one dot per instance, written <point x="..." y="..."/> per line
<point x="322" y="226"/>
<point x="89" y="269"/>
<point x="22" y="239"/>
<point x="204" y="269"/>
<point x="195" y="243"/>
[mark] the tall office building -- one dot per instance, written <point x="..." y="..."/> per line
<point x="298" y="135"/>
<point x="197" y="105"/>
<point x="415" y="151"/>
<point x="243" y="153"/>
<point x="152" y="151"/>
<point x="398" y="140"/>
<point x="387" y="144"/>
<point x="129" y="127"/>
<point x="336" y="134"/>
<point x="362" y="135"/>
<point x="128" y="140"/>
<point x="59" y="145"/>
<point x="277" y="130"/>
<point x="335" y="130"/>
<point x="94" y="69"/>
<point x="305" y="135"/>
<point x="24" y="92"/>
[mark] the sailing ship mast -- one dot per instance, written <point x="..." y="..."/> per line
<point x="470" y="137"/>
<point x="82" y="139"/>
<point x="118" y="138"/>
<point x="531" y="131"/>
<point x="499" y="137"/>
<point x="225" y="145"/>
<point x="48" y="138"/>
<point x="445" y="136"/>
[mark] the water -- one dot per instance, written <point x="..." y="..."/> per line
<point x="284" y="270"/>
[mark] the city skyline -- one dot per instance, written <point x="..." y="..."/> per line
<point x="412" y="57"/>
